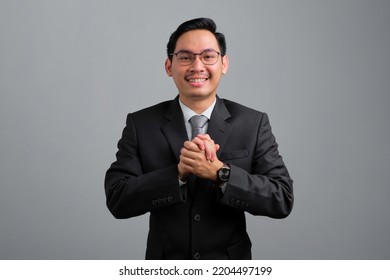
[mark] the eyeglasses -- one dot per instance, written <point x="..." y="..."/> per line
<point x="208" y="57"/>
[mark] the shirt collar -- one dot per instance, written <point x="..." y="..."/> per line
<point x="188" y="113"/>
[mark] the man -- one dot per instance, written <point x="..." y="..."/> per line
<point x="197" y="185"/>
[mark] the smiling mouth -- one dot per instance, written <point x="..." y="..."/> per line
<point x="201" y="80"/>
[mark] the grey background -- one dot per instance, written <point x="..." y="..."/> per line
<point x="70" y="71"/>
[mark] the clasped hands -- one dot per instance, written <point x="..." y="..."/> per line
<point x="199" y="157"/>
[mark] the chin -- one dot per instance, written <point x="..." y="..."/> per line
<point x="200" y="95"/>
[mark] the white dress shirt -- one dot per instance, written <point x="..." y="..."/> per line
<point x="188" y="114"/>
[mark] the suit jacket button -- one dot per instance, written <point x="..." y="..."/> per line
<point x="170" y="198"/>
<point x="196" y="256"/>
<point x="197" y="218"/>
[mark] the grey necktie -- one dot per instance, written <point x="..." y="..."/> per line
<point x="198" y="125"/>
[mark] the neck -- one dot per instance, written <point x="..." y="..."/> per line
<point x="197" y="105"/>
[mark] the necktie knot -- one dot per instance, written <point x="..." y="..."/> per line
<point x="198" y="125"/>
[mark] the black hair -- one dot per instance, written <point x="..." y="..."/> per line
<point x="196" y="24"/>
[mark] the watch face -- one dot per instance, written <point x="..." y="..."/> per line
<point x="224" y="173"/>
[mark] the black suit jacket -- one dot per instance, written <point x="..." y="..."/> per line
<point x="198" y="221"/>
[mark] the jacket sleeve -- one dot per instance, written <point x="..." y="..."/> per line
<point x="131" y="192"/>
<point x="267" y="188"/>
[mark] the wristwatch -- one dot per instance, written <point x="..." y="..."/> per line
<point x="223" y="175"/>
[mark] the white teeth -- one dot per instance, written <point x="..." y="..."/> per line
<point x="196" y="80"/>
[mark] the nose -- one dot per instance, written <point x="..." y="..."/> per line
<point x="197" y="64"/>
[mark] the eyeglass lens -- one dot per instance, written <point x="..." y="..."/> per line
<point x="208" y="57"/>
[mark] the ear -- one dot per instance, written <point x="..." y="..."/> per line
<point x="168" y="67"/>
<point x="225" y="64"/>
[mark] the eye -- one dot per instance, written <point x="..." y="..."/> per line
<point x="209" y="56"/>
<point x="184" y="57"/>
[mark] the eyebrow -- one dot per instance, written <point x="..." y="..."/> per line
<point x="185" y="50"/>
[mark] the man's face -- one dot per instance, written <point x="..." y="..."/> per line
<point x="197" y="81"/>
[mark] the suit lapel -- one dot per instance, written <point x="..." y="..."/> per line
<point x="219" y="129"/>
<point x="174" y="129"/>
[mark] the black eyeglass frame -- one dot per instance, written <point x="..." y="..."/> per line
<point x="194" y="56"/>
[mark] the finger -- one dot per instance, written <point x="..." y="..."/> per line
<point x="186" y="162"/>
<point x="204" y="136"/>
<point x="198" y="141"/>
<point x="189" y="145"/>
<point x="207" y="137"/>
<point x="210" y="150"/>
<point x="189" y="154"/>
